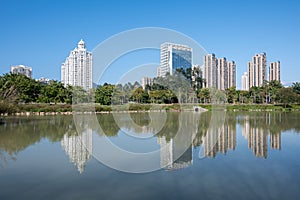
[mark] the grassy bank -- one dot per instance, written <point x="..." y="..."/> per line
<point x="8" y="108"/>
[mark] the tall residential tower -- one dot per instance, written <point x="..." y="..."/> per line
<point x="77" y="69"/>
<point x="257" y="70"/>
<point x="274" y="71"/>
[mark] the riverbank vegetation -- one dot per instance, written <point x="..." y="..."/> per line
<point x="22" y="94"/>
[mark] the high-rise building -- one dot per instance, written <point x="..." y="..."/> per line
<point x="77" y="69"/>
<point x="172" y="57"/>
<point x="222" y="74"/>
<point x="21" y="69"/>
<point x="219" y="73"/>
<point x="231" y="74"/>
<point x="210" y="70"/>
<point x="245" y="81"/>
<point x="146" y="81"/>
<point x="257" y="70"/>
<point x="274" y="71"/>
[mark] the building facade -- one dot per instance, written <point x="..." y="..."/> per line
<point x="210" y="70"/>
<point x="245" y="82"/>
<point x="222" y="74"/>
<point x="257" y="70"/>
<point x="231" y="74"/>
<point x="147" y="81"/>
<point x="21" y="69"/>
<point x="172" y="57"/>
<point x="77" y="69"/>
<point x="219" y="73"/>
<point x="274" y="71"/>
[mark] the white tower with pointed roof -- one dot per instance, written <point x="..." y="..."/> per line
<point x="77" y="69"/>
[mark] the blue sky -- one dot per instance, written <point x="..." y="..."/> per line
<point x="41" y="33"/>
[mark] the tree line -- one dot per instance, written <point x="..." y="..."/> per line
<point x="184" y="86"/>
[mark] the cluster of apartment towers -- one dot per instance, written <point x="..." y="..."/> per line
<point x="216" y="72"/>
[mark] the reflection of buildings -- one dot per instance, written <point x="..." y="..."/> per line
<point x="177" y="152"/>
<point x="257" y="141"/>
<point x="173" y="155"/>
<point x="258" y="138"/>
<point x="275" y="141"/>
<point x="219" y="140"/>
<point x="78" y="148"/>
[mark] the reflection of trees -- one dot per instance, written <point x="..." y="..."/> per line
<point x="19" y="133"/>
<point x="108" y="125"/>
<point x="141" y="119"/>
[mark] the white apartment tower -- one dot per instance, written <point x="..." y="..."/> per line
<point x="274" y="71"/>
<point x="172" y="57"/>
<point x="77" y="69"/>
<point x="219" y="73"/>
<point x="257" y="70"/>
<point x="222" y="74"/>
<point x="147" y="81"/>
<point x="21" y="69"/>
<point x="210" y="70"/>
<point x="245" y="82"/>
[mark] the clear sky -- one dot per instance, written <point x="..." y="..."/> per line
<point x="40" y="33"/>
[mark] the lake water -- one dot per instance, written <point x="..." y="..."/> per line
<point x="250" y="155"/>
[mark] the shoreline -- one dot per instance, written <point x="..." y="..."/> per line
<point x="146" y="108"/>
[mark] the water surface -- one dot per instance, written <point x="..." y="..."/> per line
<point x="238" y="156"/>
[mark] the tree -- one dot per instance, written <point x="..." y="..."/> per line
<point x="103" y="94"/>
<point x="296" y="87"/>
<point x="139" y="95"/>
<point x="204" y="95"/>
<point x="273" y="91"/>
<point x="231" y="95"/>
<point x="17" y="88"/>
<point x="287" y="96"/>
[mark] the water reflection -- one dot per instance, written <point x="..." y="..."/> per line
<point x="78" y="148"/>
<point x="256" y="130"/>
<point x="262" y="131"/>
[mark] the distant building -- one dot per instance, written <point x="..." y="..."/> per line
<point x="146" y="81"/>
<point x="231" y="74"/>
<point x="245" y="82"/>
<point x="257" y="70"/>
<point x="172" y="57"/>
<point x="210" y="70"/>
<point x="219" y="73"/>
<point x="222" y="74"/>
<point x="21" y="69"/>
<point x="274" y="71"/>
<point x="43" y="80"/>
<point x="77" y="69"/>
